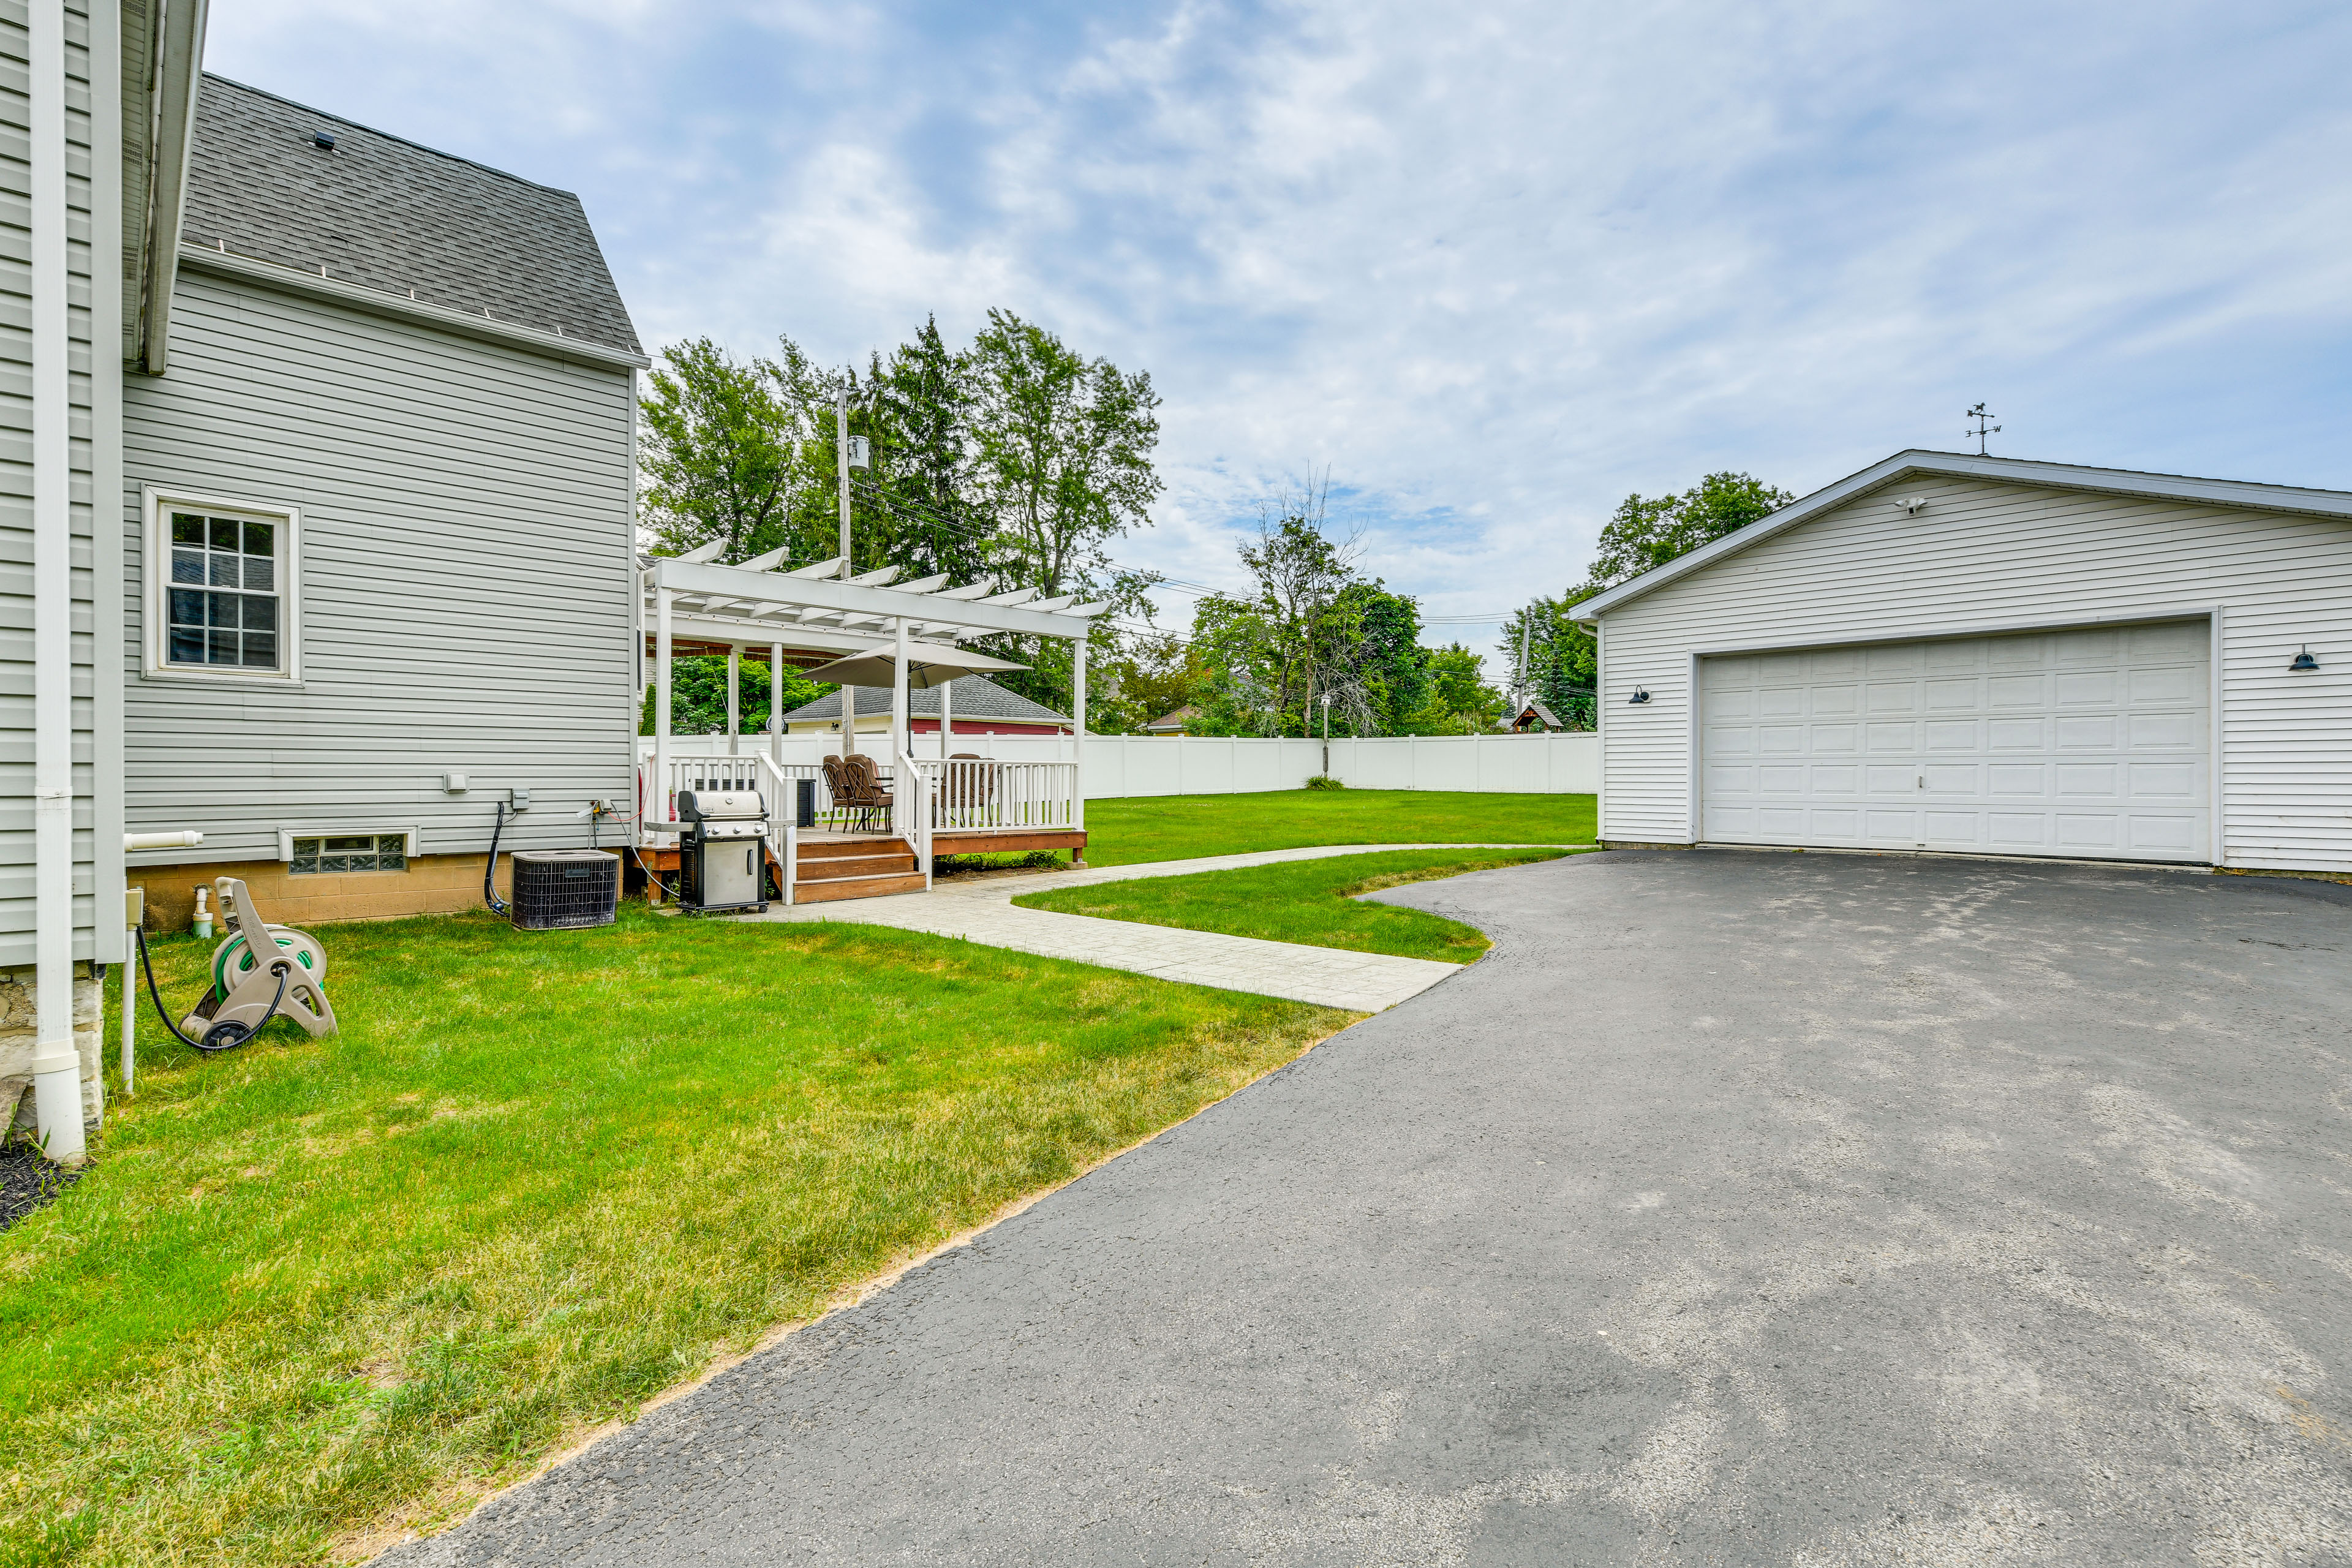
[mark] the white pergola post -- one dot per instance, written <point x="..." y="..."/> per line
<point x="947" y="718"/>
<point x="734" y="701"/>
<point x="1079" y="740"/>
<point x="848" y="720"/>
<point x="900" y="740"/>
<point x="662" y="612"/>
<point x="776" y="704"/>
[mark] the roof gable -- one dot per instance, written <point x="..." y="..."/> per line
<point x="388" y="215"/>
<point x="1962" y="465"/>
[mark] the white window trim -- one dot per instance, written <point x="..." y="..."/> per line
<point x="157" y="559"/>
<point x="285" y="837"/>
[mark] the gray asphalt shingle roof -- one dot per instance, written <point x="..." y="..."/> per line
<point x="976" y="696"/>
<point x="387" y="214"/>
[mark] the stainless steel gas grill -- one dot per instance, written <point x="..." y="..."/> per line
<point x="723" y="851"/>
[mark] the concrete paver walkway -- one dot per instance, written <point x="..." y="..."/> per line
<point x="981" y="910"/>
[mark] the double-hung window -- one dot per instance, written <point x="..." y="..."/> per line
<point x="225" y="602"/>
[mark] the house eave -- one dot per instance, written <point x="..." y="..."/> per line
<point x="510" y="334"/>
<point x="1966" y="465"/>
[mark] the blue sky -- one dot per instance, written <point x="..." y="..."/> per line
<point x="1492" y="266"/>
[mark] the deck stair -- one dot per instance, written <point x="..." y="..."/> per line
<point x="856" y="866"/>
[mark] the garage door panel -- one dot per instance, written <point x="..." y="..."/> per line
<point x="2162" y="781"/>
<point x="2161" y="836"/>
<point x="2017" y="778"/>
<point x="2077" y="779"/>
<point x="2166" y="731"/>
<point x="2089" y="742"/>
<point x="1951" y="827"/>
<point x="1952" y="735"/>
<point x="2018" y="830"/>
<point x="2087" y="732"/>
<point x="1882" y="736"/>
<point x="2015" y="734"/>
<point x="2176" y="683"/>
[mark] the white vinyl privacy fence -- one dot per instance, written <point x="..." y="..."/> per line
<point x="1117" y="765"/>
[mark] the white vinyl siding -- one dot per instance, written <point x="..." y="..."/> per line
<point x="1987" y="556"/>
<point x="464" y="582"/>
<point x="2090" y="743"/>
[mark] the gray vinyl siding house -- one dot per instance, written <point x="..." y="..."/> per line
<point x="445" y="481"/>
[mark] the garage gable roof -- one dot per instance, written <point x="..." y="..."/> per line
<point x="1968" y="465"/>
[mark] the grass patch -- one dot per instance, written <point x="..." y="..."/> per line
<point x="1181" y="827"/>
<point x="315" y="1291"/>
<point x="1309" y="902"/>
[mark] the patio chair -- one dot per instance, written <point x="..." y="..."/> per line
<point x="972" y="790"/>
<point x="868" y="797"/>
<point x="842" y="791"/>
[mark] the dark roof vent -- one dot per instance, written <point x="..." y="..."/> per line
<point x="323" y="141"/>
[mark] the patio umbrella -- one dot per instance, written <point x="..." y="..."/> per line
<point x="928" y="664"/>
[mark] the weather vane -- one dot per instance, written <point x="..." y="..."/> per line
<point x="1984" y="427"/>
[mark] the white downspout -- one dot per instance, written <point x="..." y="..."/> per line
<point x="56" y="1065"/>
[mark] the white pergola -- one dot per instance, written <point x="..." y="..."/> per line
<point x="692" y="599"/>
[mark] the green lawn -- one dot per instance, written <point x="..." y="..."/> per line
<point x="1309" y="901"/>
<point x="1180" y="828"/>
<point x="315" y="1293"/>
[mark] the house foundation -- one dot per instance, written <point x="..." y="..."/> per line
<point x="432" y="885"/>
<point x="19" y="1039"/>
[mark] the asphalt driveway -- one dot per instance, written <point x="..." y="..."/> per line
<point x="1738" y="1208"/>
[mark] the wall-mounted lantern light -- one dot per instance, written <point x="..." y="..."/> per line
<point x="1639" y="696"/>
<point x="2303" y="661"/>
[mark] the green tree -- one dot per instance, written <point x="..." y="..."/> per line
<point x="1460" y="702"/>
<point x="1064" y="449"/>
<point x="924" y="483"/>
<point x="1647" y="531"/>
<point x="1559" y="658"/>
<point x="718" y="454"/>
<point x="698" y="696"/>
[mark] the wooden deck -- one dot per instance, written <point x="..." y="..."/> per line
<point x="871" y="864"/>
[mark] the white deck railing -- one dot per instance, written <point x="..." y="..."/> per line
<point x="961" y="795"/>
<point x="981" y="794"/>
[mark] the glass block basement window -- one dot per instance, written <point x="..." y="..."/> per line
<point x="351" y="852"/>
<point x="224" y="594"/>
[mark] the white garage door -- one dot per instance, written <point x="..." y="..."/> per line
<point x="2088" y="743"/>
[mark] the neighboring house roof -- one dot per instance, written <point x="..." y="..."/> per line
<point x="976" y="696"/>
<point x="1965" y="465"/>
<point x="388" y="215"/>
<point x="1174" y="721"/>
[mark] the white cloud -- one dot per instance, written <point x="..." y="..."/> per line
<point x="1494" y="266"/>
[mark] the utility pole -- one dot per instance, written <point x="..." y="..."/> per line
<point x="841" y="451"/>
<point x="1526" y="625"/>
<point x="1982" y="428"/>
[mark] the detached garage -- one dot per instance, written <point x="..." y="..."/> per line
<point x="1988" y="655"/>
